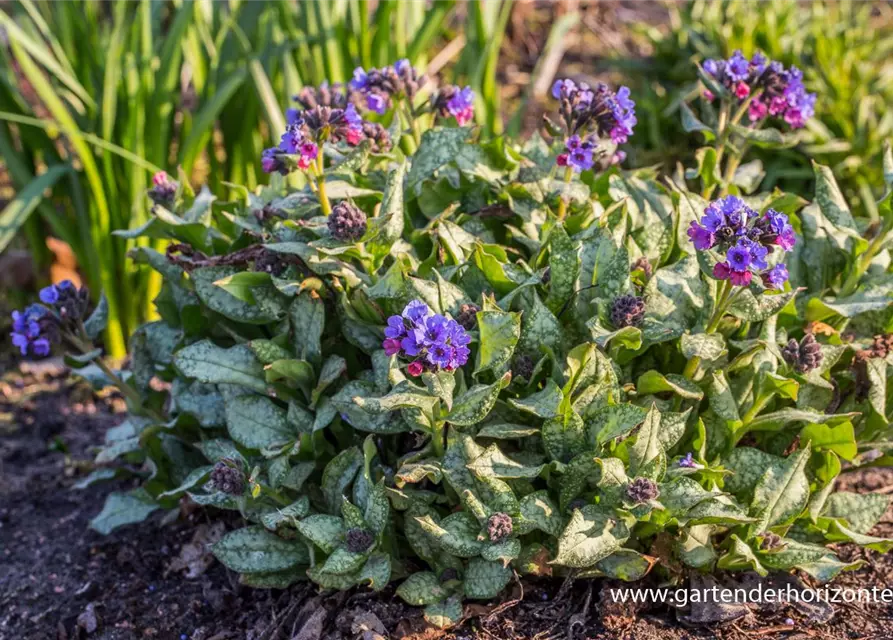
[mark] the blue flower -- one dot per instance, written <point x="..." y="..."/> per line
<point x="360" y="80"/>
<point x="377" y="103"/>
<point x="49" y="295"/>
<point x="30" y="330"/>
<point x="776" y="277"/>
<point x="738" y="67"/>
<point x="739" y="257"/>
<point x="688" y="462"/>
<point x="291" y="140"/>
<point x="438" y="342"/>
<point x="416" y="311"/>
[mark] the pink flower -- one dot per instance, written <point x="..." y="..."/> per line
<point x="391" y="346"/>
<point x="757" y="110"/>
<point x="742" y="90"/>
<point x="415" y="368"/>
<point x="354" y="136"/>
<point x="721" y="271"/>
<point x="740" y="278"/>
<point x="708" y="95"/>
<point x="562" y="160"/>
<point x="464" y="116"/>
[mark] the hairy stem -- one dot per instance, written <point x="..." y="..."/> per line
<point x="562" y="203"/>
<point x="321" y="184"/>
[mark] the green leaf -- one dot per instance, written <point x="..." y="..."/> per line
<point x="209" y="363"/>
<point x="387" y="227"/>
<point x="456" y="534"/>
<point x="421" y="588"/>
<point x="17" y="212"/>
<point x="538" y="511"/>
<point x="376" y="573"/>
<point x="543" y="404"/>
<point x="564" y="265"/>
<point x="123" y="508"/>
<point x="474" y="405"/>
<point x="444" y="614"/>
<point x="507" y="431"/>
<point x="308" y="318"/>
<point x="485" y="579"/>
<point x="861" y="511"/>
<point x="323" y="530"/>
<point x="652" y="382"/>
<point x="338" y="475"/>
<point x="613" y="421"/>
<point x="495" y="464"/>
<point x="343" y="562"/>
<point x="242" y="284"/>
<point x="96" y="324"/>
<point x="564" y="436"/>
<point x="590" y="536"/>
<point x="747" y="466"/>
<point x="756" y="307"/>
<point x="499" y="333"/>
<point x="257" y="422"/>
<point x="676" y="299"/>
<point x="781" y="493"/>
<point x="706" y="346"/>
<point x="254" y="549"/>
<point x="840" y="439"/>
<point x="268" y="307"/>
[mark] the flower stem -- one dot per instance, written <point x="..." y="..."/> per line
<point x="437" y="438"/>
<point x="321" y="184"/>
<point x="759" y="404"/>
<point x="562" y="203"/>
<point x="723" y="302"/>
<point x="85" y="346"/>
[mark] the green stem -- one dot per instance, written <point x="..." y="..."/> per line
<point x="758" y="405"/>
<point x="725" y="298"/>
<point x="437" y="438"/>
<point x="562" y="203"/>
<point x="413" y="123"/>
<point x="321" y="184"/>
<point x="85" y="346"/>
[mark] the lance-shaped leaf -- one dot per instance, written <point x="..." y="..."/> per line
<point x="538" y="511"/>
<point x="507" y="431"/>
<point x="209" y="363"/>
<point x="308" y="317"/>
<point x="494" y="463"/>
<point x="257" y="422"/>
<point x="623" y="564"/>
<point x="499" y="333"/>
<point x="740" y="557"/>
<point x="564" y="436"/>
<point x="338" y="475"/>
<point x="415" y="472"/>
<point x="779" y="419"/>
<point x="543" y="404"/>
<point x="839" y="438"/>
<point x="124" y="508"/>
<point x="590" y="536"/>
<point x="268" y="305"/>
<point x="421" y="588"/>
<point x="613" y="421"/>
<point x="756" y="307"/>
<point x="474" y="405"/>
<point x="344" y="562"/>
<point x="456" y="534"/>
<point x="652" y="382"/>
<point x="444" y="614"/>
<point x="254" y="549"/>
<point x="564" y="264"/>
<point x="706" y="346"/>
<point x="376" y="573"/>
<point x="648" y="445"/>
<point x="503" y="552"/>
<point x="861" y="511"/>
<point x="587" y="468"/>
<point x="323" y="530"/>
<point x="781" y="493"/>
<point x="386" y="228"/>
<point x="484" y="579"/>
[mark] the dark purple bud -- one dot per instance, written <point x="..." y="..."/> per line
<point x="448" y="575"/>
<point x="228" y="478"/>
<point x="359" y="540"/>
<point x="468" y="316"/>
<point x="347" y="223"/>
<point x="770" y="541"/>
<point x="627" y="311"/>
<point x="523" y="366"/>
<point x="642" y="490"/>
<point x="643" y="265"/>
<point x="803" y="356"/>
<point x="270" y="262"/>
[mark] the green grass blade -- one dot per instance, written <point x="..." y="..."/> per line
<point x="42" y="55"/>
<point x="204" y="119"/>
<point x="26" y="201"/>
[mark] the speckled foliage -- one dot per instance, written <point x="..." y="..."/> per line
<point x="335" y="402"/>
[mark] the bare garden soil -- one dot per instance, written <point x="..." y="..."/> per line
<point x="60" y="580"/>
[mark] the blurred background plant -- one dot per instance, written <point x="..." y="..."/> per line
<point x="844" y="49"/>
<point x="95" y="97"/>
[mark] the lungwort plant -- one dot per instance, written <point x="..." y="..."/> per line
<point x="448" y="361"/>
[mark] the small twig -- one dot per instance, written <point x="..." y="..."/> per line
<point x="505" y="606"/>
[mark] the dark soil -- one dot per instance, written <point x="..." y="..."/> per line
<point x="60" y="580"/>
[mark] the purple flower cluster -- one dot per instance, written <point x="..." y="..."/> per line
<point x="455" y="102"/>
<point x="747" y="237"/>
<point x="781" y="91"/>
<point x="434" y="341"/>
<point x="579" y="154"/>
<point x="597" y="110"/>
<point x="29" y="330"/>
<point x="381" y="86"/>
<point x="310" y="128"/>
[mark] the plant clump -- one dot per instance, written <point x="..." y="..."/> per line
<point x="442" y="364"/>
